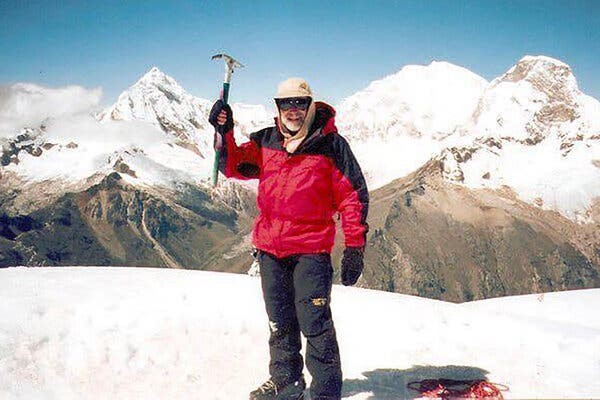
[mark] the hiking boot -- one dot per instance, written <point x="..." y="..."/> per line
<point x="270" y="390"/>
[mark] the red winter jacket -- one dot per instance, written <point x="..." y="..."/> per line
<point x="299" y="193"/>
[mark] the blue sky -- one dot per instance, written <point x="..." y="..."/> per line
<point x="339" y="47"/>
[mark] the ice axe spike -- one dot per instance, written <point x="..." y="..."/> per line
<point x="230" y="65"/>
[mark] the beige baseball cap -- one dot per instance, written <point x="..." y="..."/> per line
<point x="293" y="87"/>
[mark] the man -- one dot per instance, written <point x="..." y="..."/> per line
<point x="307" y="174"/>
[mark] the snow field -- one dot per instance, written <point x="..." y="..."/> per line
<point x="138" y="333"/>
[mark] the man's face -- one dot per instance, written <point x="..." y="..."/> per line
<point x="293" y="119"/>
<point x="293" y="112"/>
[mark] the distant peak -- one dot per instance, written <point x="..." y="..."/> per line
<point x="541" y="70"/>
<point x="540" y="59"/>
<point x="155" y="76"/>
<point x="444" y="64"/>
<point x="154" y="71"/>
<point x="437" y="67"/>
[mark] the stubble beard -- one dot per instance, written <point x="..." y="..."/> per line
<point x="292" y="126"/>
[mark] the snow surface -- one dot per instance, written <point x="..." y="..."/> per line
<point x="95" y="144"/>
<point x="567" y="184"/>
<point x="137" y="333"/>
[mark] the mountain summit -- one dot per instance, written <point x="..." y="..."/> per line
<point x="420" y="101"/>
<point x="535" y="98"/>
<point x="158" y="99"/>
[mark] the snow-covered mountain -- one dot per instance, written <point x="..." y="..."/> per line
<point x="165" y="334"/>
<point x="538" y="134"/>
<point x="530" y="129"/>
<point x="399" y="122"/>
<point x="158" y="99"/>
<point x="156" y="134"/>
<point x="508" y="203"/>
<point x="535" y="99"/>
<point x="420" y="101"/>
<point x="532" y="118"/>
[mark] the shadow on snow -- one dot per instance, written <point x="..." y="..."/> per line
<point x="388" y="384"/>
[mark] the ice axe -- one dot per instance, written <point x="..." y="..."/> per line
<point x="230" y="65"/>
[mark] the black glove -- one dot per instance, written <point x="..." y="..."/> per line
<point x="214" y="114"/>
<point x="352" y="265"/>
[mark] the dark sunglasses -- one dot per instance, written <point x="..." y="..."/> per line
<point x="287" y="103"/>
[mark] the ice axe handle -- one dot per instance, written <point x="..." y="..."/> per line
<point x="215" y="177"/>
<point x="216" y="167"/>
<point x="225" y="92"/>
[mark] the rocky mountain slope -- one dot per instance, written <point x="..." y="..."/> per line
<point x="434" y="238"/>
<point x="115" y="223"/>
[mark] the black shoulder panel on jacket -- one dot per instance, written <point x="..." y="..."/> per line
<point x="269" y="138"/>
<point x="345" y="162"/>
<point x="258" y="136"/>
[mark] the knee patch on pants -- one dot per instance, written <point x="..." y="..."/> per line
<point x="313" y="315"/>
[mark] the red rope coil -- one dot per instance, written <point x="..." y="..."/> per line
<point x="463" y="389"/>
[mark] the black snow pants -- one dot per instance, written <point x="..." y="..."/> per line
<point x="297" y="292"/>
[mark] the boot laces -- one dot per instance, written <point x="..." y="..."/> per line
<point x="268" y="386"/>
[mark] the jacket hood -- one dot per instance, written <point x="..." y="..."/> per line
<point x="324" y="118"/>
